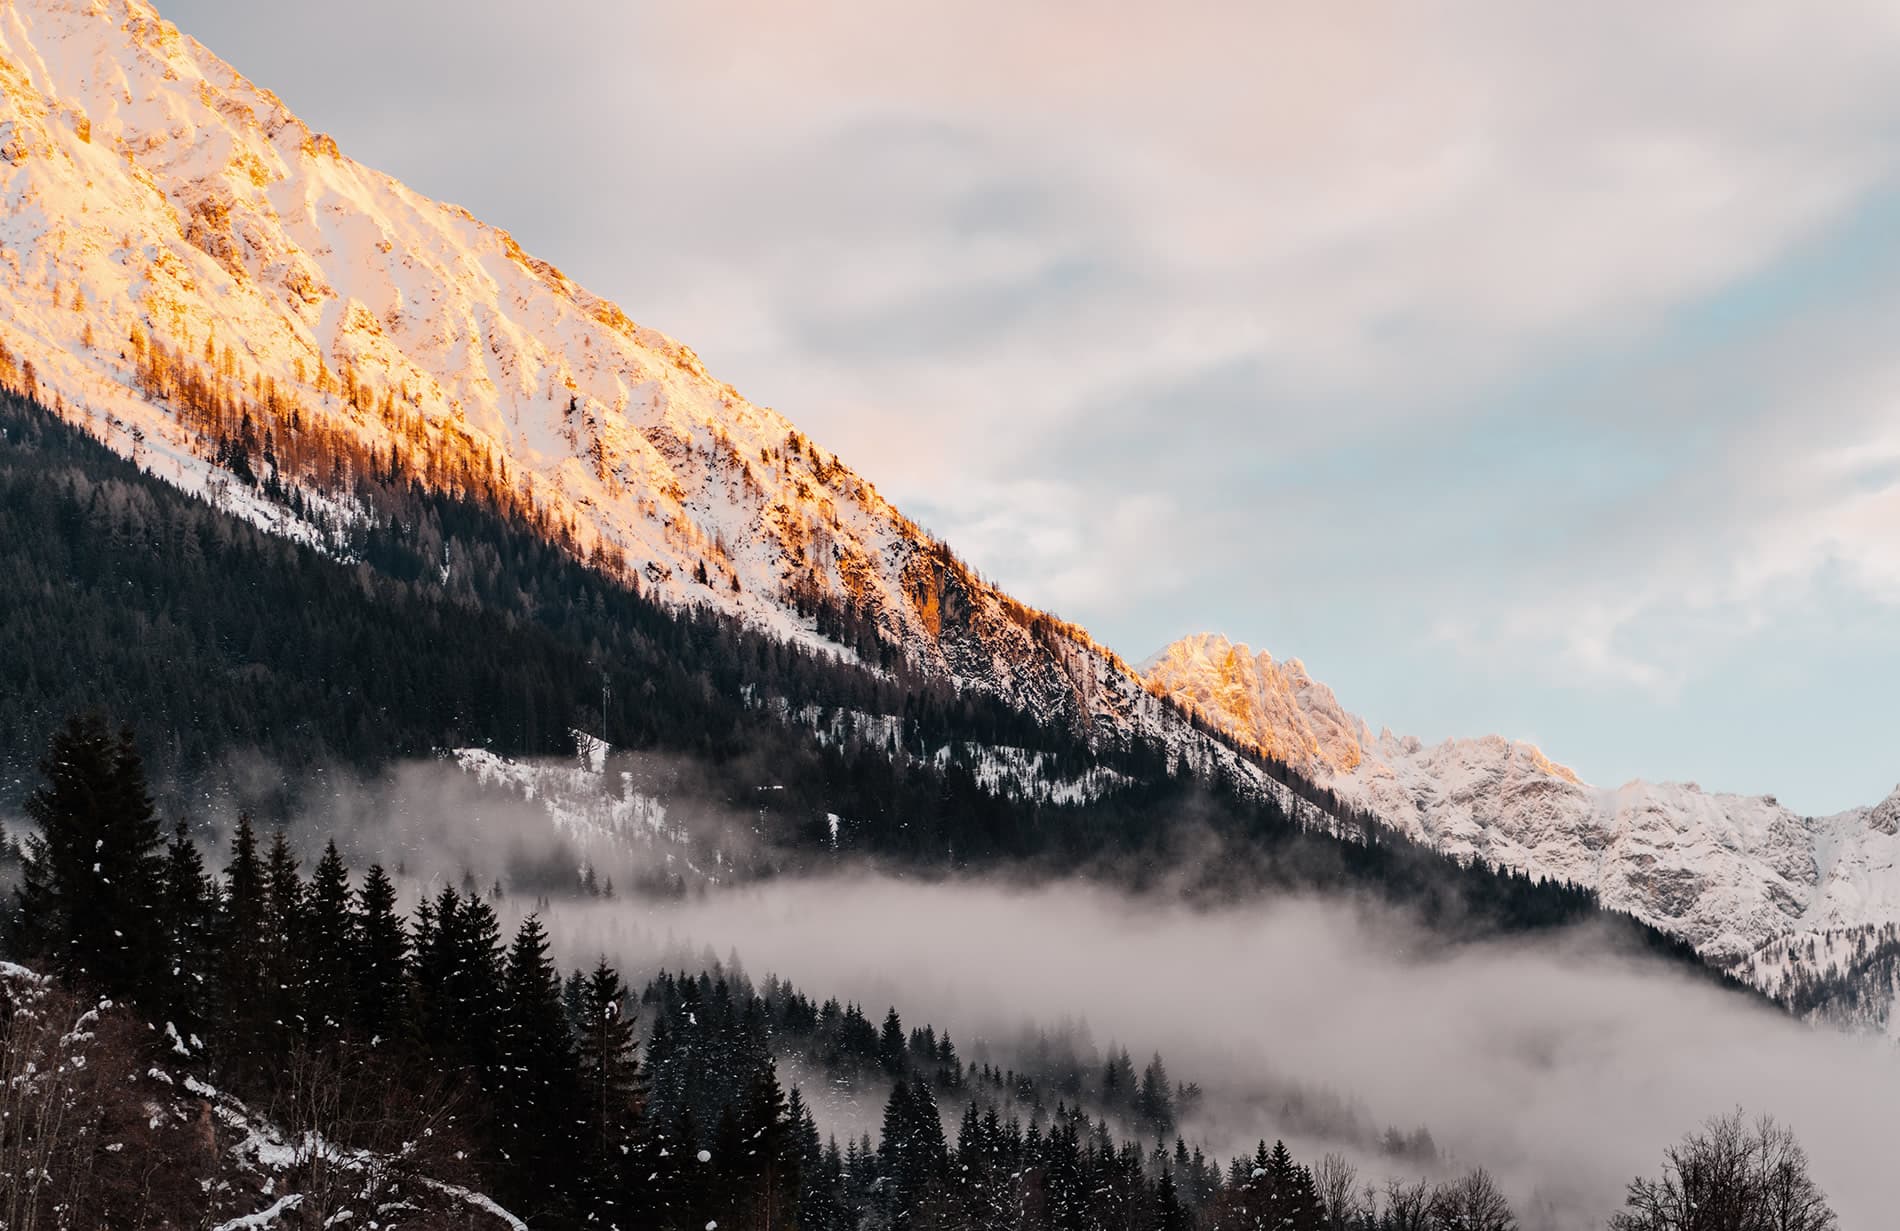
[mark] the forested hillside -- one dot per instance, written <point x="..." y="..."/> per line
<point x="446" y="624"/>
<point x="254" y="1043"/>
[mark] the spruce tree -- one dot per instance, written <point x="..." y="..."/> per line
<point x="895" y="1163"/>
<point x="892" y="1053"/>
<point x="768" y="1153"/>
<point x="1170" y="1214"/>
<point x="242" y="1004"/>
<point x="536" y="1089"/>
<point x="329" y="945"/>
<point x="90" y="898"/>
<point x="1154" y="1099"/>
<point x="188" y="923"/>
<point x="816" y="1193"/>
<point x="284" y="953"/>
<point x="612" y="1104"/>
<point x="609" y="1068"/>
<point x="478" y="983"/>
<point x="380" y="960"/>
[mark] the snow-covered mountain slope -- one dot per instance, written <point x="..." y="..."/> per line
<point x="1845" y="977"/>
<point x="1729" y="873"/>
<point x="218" y="291"/>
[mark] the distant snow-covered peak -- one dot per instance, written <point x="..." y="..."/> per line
<point x="1729" y="873"/>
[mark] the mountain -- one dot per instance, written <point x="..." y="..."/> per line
<point x="1732" y="874"/>
<point x="218" y="292"/>
<point x="197" y="279"/>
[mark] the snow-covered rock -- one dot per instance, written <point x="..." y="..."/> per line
<point x="1729" y="873"/>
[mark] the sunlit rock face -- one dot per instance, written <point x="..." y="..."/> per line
<point x="1276" y="708"/>
<point x="1729" y="873"/>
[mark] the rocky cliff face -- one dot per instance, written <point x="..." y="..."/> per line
<point x="1730" y="873"/>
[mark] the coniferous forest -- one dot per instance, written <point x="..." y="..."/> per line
<point x="393" y="1050"/>
<point x="194" y="1043"/>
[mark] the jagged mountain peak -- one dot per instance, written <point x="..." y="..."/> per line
<point x="1885" y="815"/>
<point x="1275" y="707"/>
<point x="1729" y="872"/>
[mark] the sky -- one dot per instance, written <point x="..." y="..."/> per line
<point x="1520" y="368"/>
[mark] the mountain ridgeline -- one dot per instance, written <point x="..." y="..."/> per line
<point x="214" y="638"/>
<point x="531" y="513"/>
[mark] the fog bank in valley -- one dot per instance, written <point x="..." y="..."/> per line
<point x="1563" y="1067"/>
<point x="1560" y="1064"/>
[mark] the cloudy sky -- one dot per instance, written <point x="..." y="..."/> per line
<point x="1526" y="368"/>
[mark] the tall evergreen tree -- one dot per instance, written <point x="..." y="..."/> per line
<point x="243" y="1005"/>
<point x="1170" y="1213"/>
<point x="284" y="952"/>
<point x="536" y="1088"/>
<point x="612" y="1100"/>
<point x="1154" y="1099"/>
<point x="768" y="1160"/>
<point x="188" y="923"/>
<point x="90" y="899"/>
<point x="912" y="1156"/>
<point x="458" y="980"/>
<point x="329" y="946"/>
<point x="892" y="1052"/>
<point x="379" y="966"/>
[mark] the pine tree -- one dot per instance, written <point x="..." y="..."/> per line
<point x="458" y="982"/>
<point x="284" y="952"/>
<point x="90" y="899"/>
<point x="891" y="1050"/>
<point x="379" y="966"/>
<point x="612" y="1095"/>
<point x="894" y="1161"/>
<point x="817" y="1188"/>
<point x="478" y="983"/>
<point x="768" y="1158"/>
<point x="329" y="945"/>
<point x="242" y="936"/>
<point x="1170" y="1214"/>
<point x="188" y="923"/>
<point x="1154" y="1099"/>
<point x="537" y="1087"/>
<point x="912" y="1156"/>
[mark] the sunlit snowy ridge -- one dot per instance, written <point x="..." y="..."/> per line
<point x="188" y="265"/>
<point x="1748" y="881"/>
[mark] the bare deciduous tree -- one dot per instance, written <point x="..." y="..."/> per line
<point x="80" y="1143"/>
<point x="1337" y="1182"/>
<point x="1729" y="1176"/>
<point x="1472" y="1203"/>
<point x="1408" y="1206"/>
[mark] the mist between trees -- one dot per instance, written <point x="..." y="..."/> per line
<point x="1561" y="1065"/>
<point x="1561" y="1068"/>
